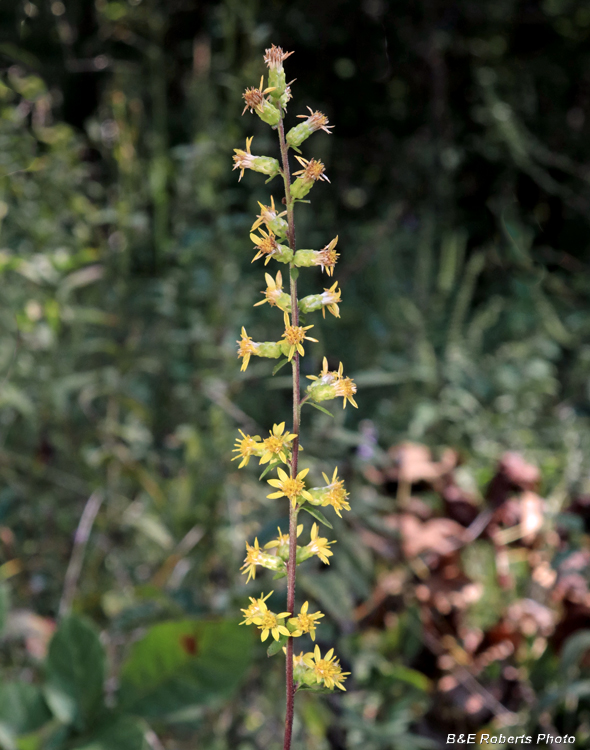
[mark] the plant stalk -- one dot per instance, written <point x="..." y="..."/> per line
<point x="292" y="562"/>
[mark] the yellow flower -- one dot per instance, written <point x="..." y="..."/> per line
<point x="332" y="384"/>
<point x="327" y="377"/>
<point x="304" y="622"/>
<point x="295" y="336"/>
<point x="268" y="621"/>
<point x="243" y="159"/>
<point x="319" y="546"/>
<point x="346" y="387"/>
<point x="327" y="257"/>
<point x="266" y="245"/>
<point x="248" y="446"/>
<point x="253" y="558"/>
<point x="277" y="444"/>
<point x="254" y="609"/>
<point x="336" y="495"/>
<point x="270" y="218"/>
<point x="291" y="487"/>
<point x="274" y="294"/>
<point x="246" y="349"/>
<point x="330" y="299"/>
<point x="313" y="169"/>
<point x="282" y="539"/>
<point x="326" y="669"/>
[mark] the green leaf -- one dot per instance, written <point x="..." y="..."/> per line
<point x="272" y="465"/>
<point x="321" y="408"/>
<point x="22" y="707"/>
<point x="276" y="368"/>
<point x="318" y="515"/>
<point x="294" y="274"/>
<point x="276" y="646"/>
<point x="180" y="666"/>
<point x="279" y="574"/>
<point x="123" y="733"/>
<point x="317" y="689"/>
<point x="75" y="673"/>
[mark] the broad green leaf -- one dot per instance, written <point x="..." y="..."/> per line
<point x="22" y="707"/>
<point x="321" y="408"/>
<point x="122" y="733"/>
<point x="317" y="514"/>
<point x="75" y="673"/>
<point x="181" y="665"/>
<point x="281" y="364"/>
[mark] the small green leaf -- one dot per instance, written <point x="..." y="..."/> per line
<point x="294" y="274"/>
<point x="318" y="515"/>
<point x="282" y="363"/>
<point x="270" y="467"/>
<point x="316" y="689"/>
<point x="279" y="574"/>
<point x="321" y="408"/>
<point x="276" y="646"/>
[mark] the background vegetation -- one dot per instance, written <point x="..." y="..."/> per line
<point x="460" y="192"/>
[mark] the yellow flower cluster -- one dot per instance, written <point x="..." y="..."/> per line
<point x="272" y="234"/>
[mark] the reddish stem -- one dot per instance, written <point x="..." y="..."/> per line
<point x="291" y="564"/>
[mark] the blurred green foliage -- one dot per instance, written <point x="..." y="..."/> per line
<point x="460" y="195"/>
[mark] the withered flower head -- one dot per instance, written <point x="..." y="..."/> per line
<point x="275" y="56"/>
<point x="312" y="169"/>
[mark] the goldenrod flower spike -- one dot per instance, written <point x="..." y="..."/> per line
<point x="273" y="235"/>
